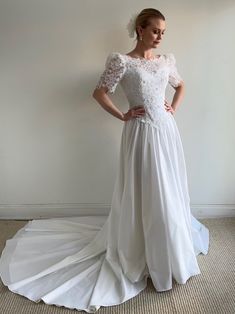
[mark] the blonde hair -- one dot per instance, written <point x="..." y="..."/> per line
<point x="143" y="18"/>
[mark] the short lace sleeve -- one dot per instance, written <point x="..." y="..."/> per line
<point x="174" y="77"/>
<point x="113" y="73"/>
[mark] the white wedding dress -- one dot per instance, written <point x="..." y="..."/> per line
<point x="93" y="261"/>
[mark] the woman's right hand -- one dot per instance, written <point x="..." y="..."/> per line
<point x="134" y="112"/>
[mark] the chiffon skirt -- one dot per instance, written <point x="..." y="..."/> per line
<point x="87" y="262"/>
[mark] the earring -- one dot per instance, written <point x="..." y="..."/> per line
<point x="141" y="38"/>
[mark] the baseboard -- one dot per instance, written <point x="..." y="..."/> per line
<point x="40" y="211"/>
<point x="37" y="211"/>
<point x="213" y="210"/>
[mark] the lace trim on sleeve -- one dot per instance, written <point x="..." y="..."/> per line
<point x="113" y="73"/>
<point x="174" y="77"/>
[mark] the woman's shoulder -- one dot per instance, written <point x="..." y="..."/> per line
<point x="115" y="55"/>
<point x="170" y="58"/>
<point x="115" y="60"/>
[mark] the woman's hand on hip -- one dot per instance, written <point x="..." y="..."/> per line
<point x="134" y="112"/>
<point x="169" y="107"/>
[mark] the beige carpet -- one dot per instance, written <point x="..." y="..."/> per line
<point x="213" y="291"/>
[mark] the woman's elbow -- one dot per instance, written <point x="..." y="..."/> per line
<point x="98" y="92"/>
<point x="180" y="86"/>
<point x="95" y="93"/>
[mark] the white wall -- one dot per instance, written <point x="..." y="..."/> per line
<point x="59" y="148"/>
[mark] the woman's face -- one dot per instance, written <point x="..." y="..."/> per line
<point x="153" y="34"/>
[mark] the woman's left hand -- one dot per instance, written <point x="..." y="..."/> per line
<point x="169" y="108"/>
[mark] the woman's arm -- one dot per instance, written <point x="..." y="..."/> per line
<point x="178" y="96"/>
<point x="104" y="100"/>
<point x="114" y="70"/>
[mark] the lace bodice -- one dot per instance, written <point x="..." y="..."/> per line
<point x="143" y="81"/>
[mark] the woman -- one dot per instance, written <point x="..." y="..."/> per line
<point x="84" y="263"/>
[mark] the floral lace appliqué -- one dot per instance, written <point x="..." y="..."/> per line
<point x="174" y="77"/>
<point x="114" y="70"/>
<point x="144" y="82"/>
